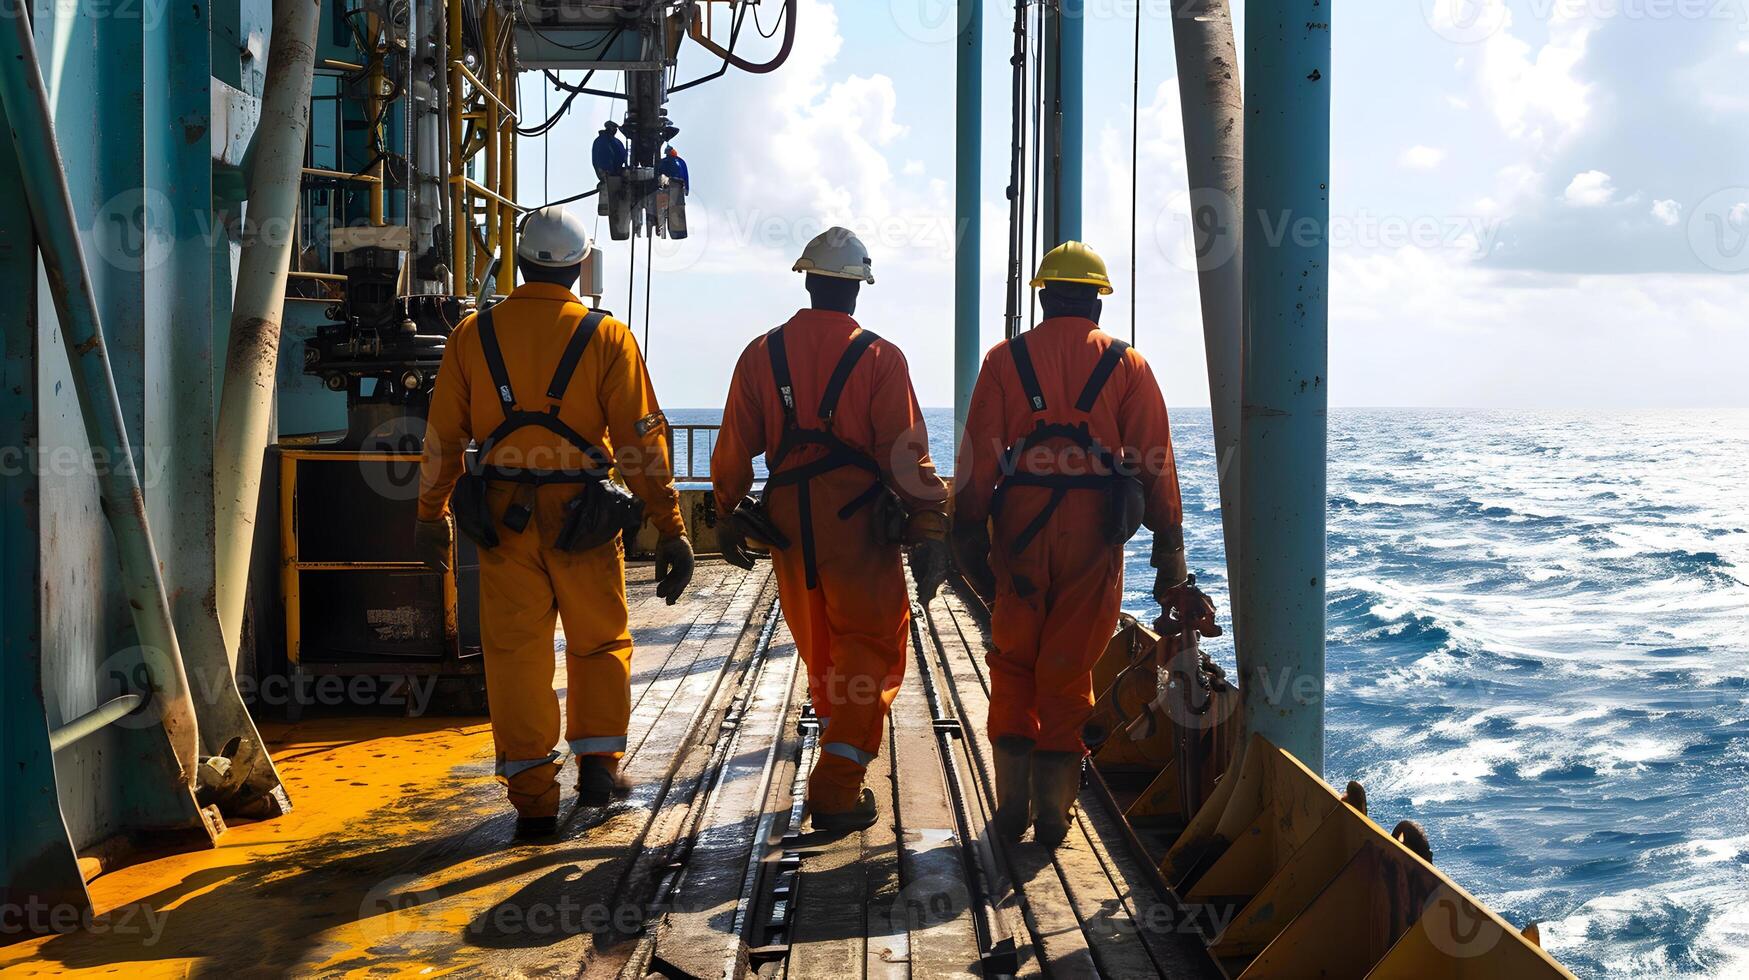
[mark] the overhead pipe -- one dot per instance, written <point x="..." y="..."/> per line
<point x="1213" y="106"/>
<point x="697" y="32"/>
<point x="276" y="160"/>
<point x="968" y="208"/>
<point x="124" y="502"/>
<point x="1283" y="431"/>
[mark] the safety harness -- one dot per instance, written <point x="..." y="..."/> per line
<point x="1079" y="435"/>
<point x="516" y="419"/>
<point x="468" y="502"/>
<point x="838" y="453"/>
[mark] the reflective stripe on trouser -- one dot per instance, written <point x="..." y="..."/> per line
<point x="607" y="745"/>
<point x="526" y="588"/>
<point x="853" y="631"/>
<point x="1046" y="643"/>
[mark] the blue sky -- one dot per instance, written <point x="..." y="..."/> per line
<point x="1537" y="203"/>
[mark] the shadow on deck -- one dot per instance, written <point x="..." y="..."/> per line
<point x="397" y="857"/>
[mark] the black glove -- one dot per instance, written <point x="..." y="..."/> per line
<point x="732" y="539"/>
<point x="673" y="568"/>
<point x="433" y="541"/>
<point x="929" y="560"/>
<point x="971" y="553"/>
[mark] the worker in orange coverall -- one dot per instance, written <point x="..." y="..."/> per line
<point x="556" y="395"/>
<point x="832" y="408"/>
<point x="1067" y="451"/>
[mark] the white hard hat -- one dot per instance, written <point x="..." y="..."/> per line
<point x="553" y="237"/>
<point x="838" y="253"/>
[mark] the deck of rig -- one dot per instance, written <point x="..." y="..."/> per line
<point x="397" y="861"/>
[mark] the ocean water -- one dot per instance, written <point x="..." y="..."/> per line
<point x="1538" y="649"/>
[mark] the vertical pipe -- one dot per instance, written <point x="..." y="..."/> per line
<point x="1283" y="431"/>
<point x="491" y="120"/>
<point x="375" y="106"/>
<point x="1071" y="82"/>
<point x="458" y="201"/>
<point x="506" y="83"/>
<point x="1214" y="150"/>
<point x="1050" y="134"/>
<point x="1017" y="173"/>
<point x="968" y="179"/>
<point x="124" y="504"/>
<point x="251" y="362"/>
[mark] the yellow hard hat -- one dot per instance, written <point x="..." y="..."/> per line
<point x="1073" y="262"/>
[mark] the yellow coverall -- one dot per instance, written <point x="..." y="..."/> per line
<point x="526" y="583"/>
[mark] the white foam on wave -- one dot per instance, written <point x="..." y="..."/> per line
<point x="1613" y="928"/>
<point x="1443" y="776"/>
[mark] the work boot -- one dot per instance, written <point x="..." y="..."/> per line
<point x="860" y="817"/>
<point x="598" y="780"/>
<point x="1056" y="781"/>
<point x="536" y="828"/>
<point x="1013" y="787"/>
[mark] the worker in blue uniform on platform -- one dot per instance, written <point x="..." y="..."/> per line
<point x="609" y="156"/>
<point x="671" y="198"/>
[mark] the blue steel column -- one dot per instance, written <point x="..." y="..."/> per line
<point x="1283" y="437"/>
<point x="968" y="203"/>
<point x="1071" y="81"/>
<point x="51" y="205"/>
<point x="37" y="858"/>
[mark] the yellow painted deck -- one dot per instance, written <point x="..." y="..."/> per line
<point x="396" y="859"/>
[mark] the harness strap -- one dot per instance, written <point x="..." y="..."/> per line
<point x="1079" y="434"/>
<point x="516" y="418"/>
<point x="839" y="454"/>
<point x="573" y="353"/>
<point x="774" y="348"/>
<point x="1108" y="363"/>
<point x="859" y="345"/>
<point x="495" y="360"/>
<point x="1035" y="395"/>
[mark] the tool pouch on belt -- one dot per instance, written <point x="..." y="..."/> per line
<point x="1125" y="510"/>
<point x="598" y="514"/>
<point x="890" y="518"/>
<point x="757" y="527"/>
<point x="472" y="515"/>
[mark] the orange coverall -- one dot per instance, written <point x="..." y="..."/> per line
<point x="852" y="629"/>
<point x="526" y="583"/>
<point x="1057" y="601"/>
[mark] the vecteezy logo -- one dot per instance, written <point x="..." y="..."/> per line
<point x="927" y="21"/>
<point x="1457" y="927"/>
<point x="1466" y="21"/>
<point x="388" y="909"/>
<point x="1718" y="230"/>
<point x="1199" y="231"/>
<point x="396" y="478"/>
<point x="133" y="230"/>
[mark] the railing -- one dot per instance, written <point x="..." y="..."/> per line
<point x="689" y="451"/>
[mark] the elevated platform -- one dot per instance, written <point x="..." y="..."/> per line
<point x="397" y="858"/>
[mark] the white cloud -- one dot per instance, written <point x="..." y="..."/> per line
<point x="1591" y="189"/>
<point x="1528" y="340"/>
<point x="1536" y="93"/>
<point x="1667" y="212"/>
<point x="1422" y="157"/>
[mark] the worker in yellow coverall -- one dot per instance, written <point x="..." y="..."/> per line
<point x="556" y="395"/>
